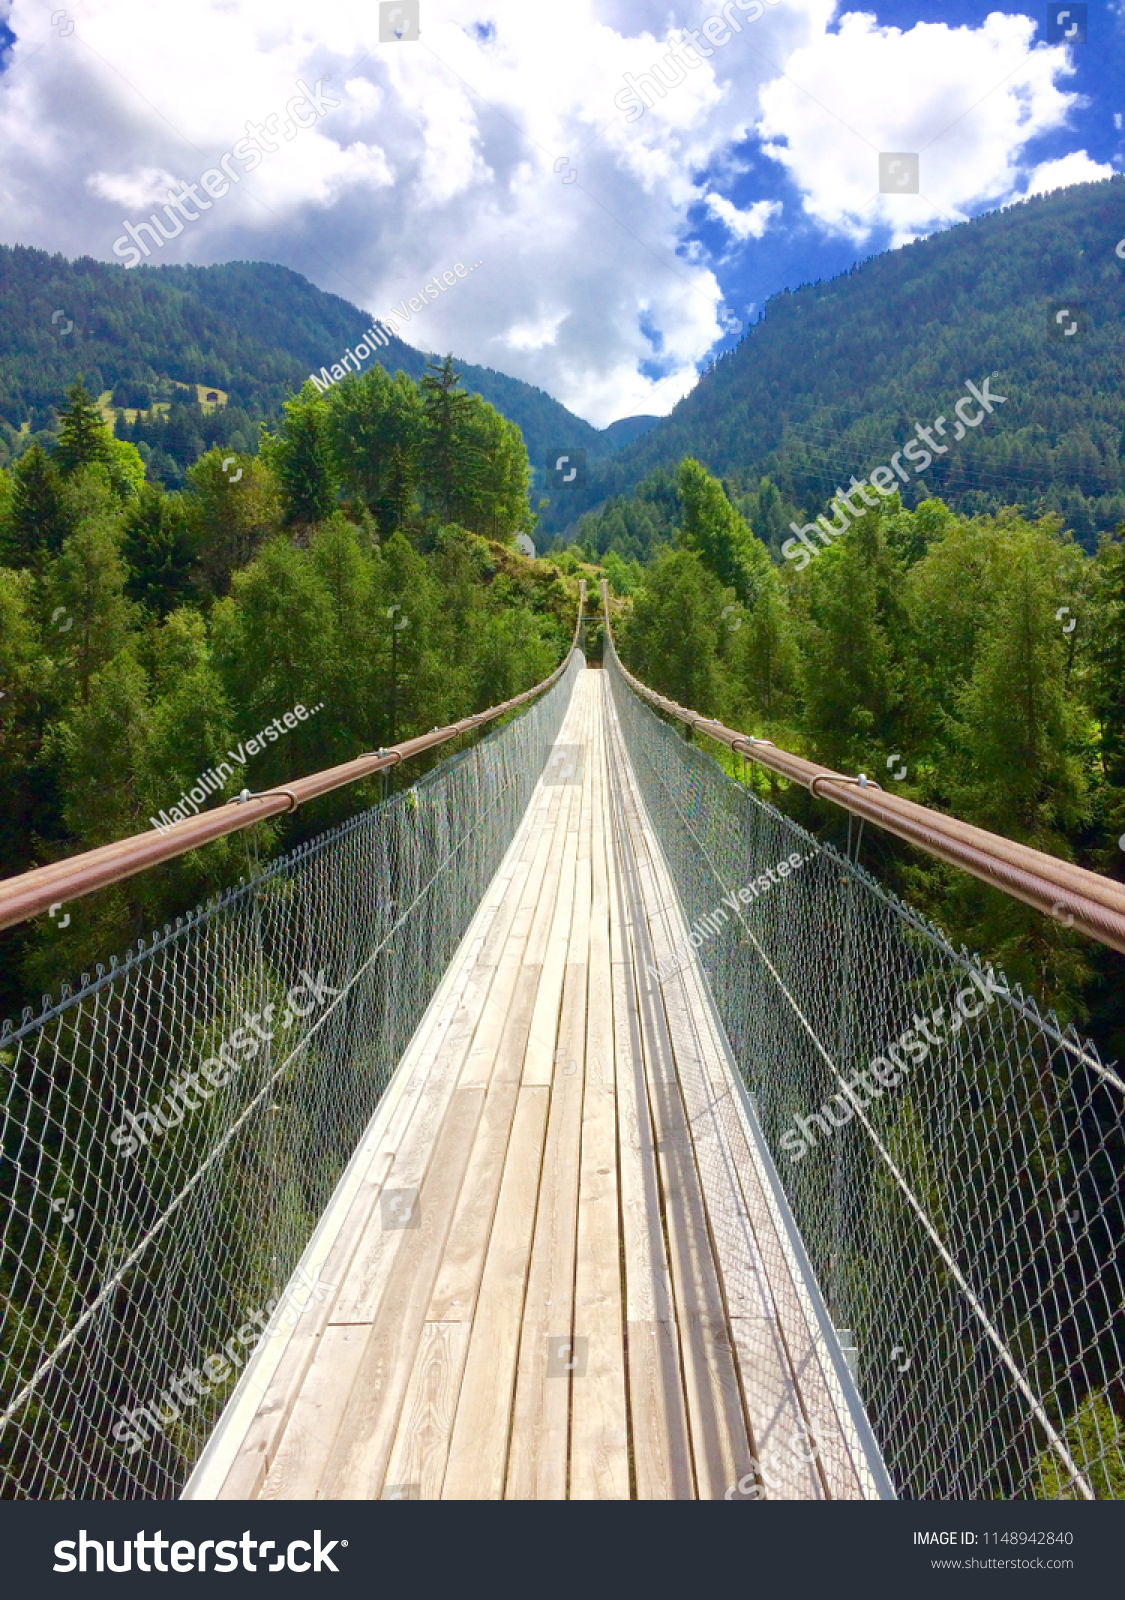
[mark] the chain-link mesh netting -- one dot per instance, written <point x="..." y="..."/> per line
<point x="174" y="1130"/>
<point x="963" y="1205"/>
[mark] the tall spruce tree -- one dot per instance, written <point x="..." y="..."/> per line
<point x="83" y="436"/>
<point x="37" y="521"/>
<point x="302" y="459"/>
<point x="447" y="409"/>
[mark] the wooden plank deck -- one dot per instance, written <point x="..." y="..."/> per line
<point x="557" y="1267"/>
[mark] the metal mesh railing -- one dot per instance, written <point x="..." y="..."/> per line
<point x="174" y="1129"/>
<point x="954" y="1159"/>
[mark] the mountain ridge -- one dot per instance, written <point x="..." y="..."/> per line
<point x="836" y="375"/>
<point x="253" y="329"/>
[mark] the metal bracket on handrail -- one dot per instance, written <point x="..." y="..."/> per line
<point x="863" y="781"/>
<point x="265" y="794"/>
<point x="381" y="752"/>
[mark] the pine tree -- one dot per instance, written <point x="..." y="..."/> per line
<point x="853" y="676"/>
<point x="447" y="408"/>
<point x="37" y="521"/>
<point x="160" y="551"/>
<point x="713" y="527"/>
<point x="83" y="436"/>
<point x="86" y="585"/>
<point x="302" y="459"/>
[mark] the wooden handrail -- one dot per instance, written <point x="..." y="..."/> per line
<point x="62" y="881"/>
<point x="1087" y="901"/>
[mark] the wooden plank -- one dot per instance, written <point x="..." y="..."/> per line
<point x="657" y="1417"/>
<point x="599" y="1443"/>
<point x="295" y="1472"/>
<point x="478" y="1450"/>
<point x="357" y="1462"/>
<point x="485" y="1004"/>
<point x="782" y="1443"/>
<point x="421" y="1448"/>
<point x="539" y="1062"/>
<point x="552" y="952"/>
<point x="422" y="1456"/>
<point x="537" y="1467"/>
<point x="462" y="1264"/>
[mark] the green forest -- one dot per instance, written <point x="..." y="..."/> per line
<point x="360" y="562"/>
<point x="973" y="664"/>
<point x="251" y="329"/>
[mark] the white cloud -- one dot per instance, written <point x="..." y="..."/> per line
<point x="1077" y="167"/>
<point x="749" y="224"/>
<point x="135" y="190"/>
<point x="457" y="147"/>
<point x="966" y="100"/>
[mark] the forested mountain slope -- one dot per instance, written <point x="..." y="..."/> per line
<point x="250" y="329"/>
<point x="835" y="377"/>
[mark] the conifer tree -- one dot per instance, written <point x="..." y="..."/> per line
<point x="723" y="539"/>
<point x="302" y="459"/>
<point x="37" y="521"/>
<point x="160" y="551"/>
<point x="83" y="436"/>
<point x="447" y="408"/>
<point x="86" y="585"/>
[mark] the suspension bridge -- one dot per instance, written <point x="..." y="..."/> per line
<point x="571" y="1125"/>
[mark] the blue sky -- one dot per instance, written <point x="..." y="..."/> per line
<point x="619" y="245"/>
<point x="803" y="251"/>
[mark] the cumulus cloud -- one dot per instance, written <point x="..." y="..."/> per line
<point x="1077" y="167"/>
<point x="749" y="224"/>
<point x="506" y="142"/>
<point x="966" y="100"/>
